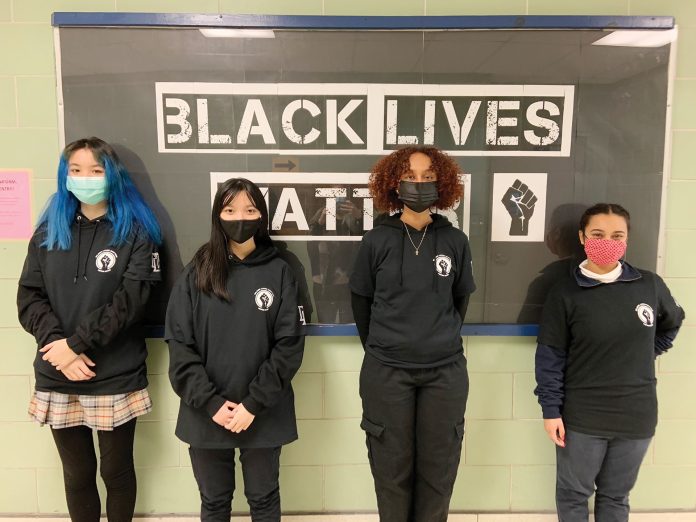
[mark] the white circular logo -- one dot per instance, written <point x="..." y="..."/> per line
<point x="263" y="298"/>
<point x="105" y="260"/>
<point x="443" y="265"/>
<point x="645" y="314"/>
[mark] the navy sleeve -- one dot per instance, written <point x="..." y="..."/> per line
<point x="670" y="317"/>
<point x="664" y="340"/>
<point x="549" y="368"/>
<point x="186" y="370"/>
<point x="276" y="372"/>
<point x="669" y="314"/>
<point x="362" y="280"/>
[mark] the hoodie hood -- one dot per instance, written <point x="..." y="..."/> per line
<point x="263" y="253"/>
<point x="394" y="221"/>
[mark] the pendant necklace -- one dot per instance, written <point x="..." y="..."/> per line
<point x="416" y="248"/>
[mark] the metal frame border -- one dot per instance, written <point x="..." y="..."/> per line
<point x="78" y="19"/>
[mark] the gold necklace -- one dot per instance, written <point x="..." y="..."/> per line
<point x="416" y="248"/>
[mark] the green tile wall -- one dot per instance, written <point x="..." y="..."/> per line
<point x="507" y="463"/>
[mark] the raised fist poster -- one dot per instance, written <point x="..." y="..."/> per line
<point x="518" y="207"/>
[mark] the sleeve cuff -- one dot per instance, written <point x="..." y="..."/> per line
<point x="214" y="404"/>
<point x="76" y="344"/>
<point x="551" y="412"/>
<point x="252" y="406"/>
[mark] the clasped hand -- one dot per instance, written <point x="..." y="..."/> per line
<point x="75" y="367"/>
<point x="234" y="417"/>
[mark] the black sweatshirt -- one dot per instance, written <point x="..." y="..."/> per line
<point x="94" y="295"/>
<point x="245" y="351"/>
<point x="416" y="301"/>
<point x="597" y="345"/>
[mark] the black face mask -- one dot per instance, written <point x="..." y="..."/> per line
<point x="240" y="230"/>
<point x="418" y="196"/>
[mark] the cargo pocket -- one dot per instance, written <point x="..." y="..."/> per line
<point x="373" y="432"/>
<point x="456" y="453"/>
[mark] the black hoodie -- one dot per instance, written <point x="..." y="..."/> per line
<point x="414" y="322"/>
<point x="246" y="351"/>
<point x="94" y="295"/>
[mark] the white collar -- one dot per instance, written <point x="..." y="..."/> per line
<point x="609" y="277"/>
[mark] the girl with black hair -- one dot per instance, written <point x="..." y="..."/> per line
<point x="600" y="333"/>
<point x="234" y="332"/>
<point x="91" y="265"/>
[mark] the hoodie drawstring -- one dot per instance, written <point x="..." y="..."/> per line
<point x="79" y="235"/>
<point x="89" y="250"/>
<point x="79" y="241"/>
<point x="401" y="270"/>
<point x="435" y="276"/>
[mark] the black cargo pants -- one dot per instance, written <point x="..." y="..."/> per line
<point x="414" y="423"/>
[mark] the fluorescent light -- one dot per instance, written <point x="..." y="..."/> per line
<point x="226" y="32"/>
<point x="638" y="38"/>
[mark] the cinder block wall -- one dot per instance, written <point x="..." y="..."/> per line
<point x="507" y="464"/>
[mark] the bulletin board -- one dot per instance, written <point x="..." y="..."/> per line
<point x="545" y="116"/>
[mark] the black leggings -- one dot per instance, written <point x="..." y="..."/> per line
<point x="76" y="449"/>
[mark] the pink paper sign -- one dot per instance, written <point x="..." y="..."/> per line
<point x="15" y="204"/>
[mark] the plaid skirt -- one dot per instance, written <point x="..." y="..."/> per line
<point x="99" y="412"/>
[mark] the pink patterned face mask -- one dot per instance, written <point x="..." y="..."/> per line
<point x="604" y="251"/>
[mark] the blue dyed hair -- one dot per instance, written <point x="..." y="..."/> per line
<point x="126" y="208"/>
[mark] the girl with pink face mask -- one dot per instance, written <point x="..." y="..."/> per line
<point x="600" y="332"/>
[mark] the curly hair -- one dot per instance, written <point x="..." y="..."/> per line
<point x="387" y="172"/>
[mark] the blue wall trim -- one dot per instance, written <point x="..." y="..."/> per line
<point x="349" y="330"/>
<point x="73" y="19"/>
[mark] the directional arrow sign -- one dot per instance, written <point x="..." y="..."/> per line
<point x="286" y="164"/>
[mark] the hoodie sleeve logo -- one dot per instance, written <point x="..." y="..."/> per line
<point x="155" y="262"/>
<point x="645" y="314"/>
<point x="105" y="260"/>
<point x="263" y="298"/>
<point x="443" y="265"/>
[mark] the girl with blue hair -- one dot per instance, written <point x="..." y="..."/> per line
<point x="91" y="265"/>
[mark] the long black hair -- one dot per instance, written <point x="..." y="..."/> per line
<point x="210" y="261"/>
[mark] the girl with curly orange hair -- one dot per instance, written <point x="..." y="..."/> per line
<point x="410" y="288"/>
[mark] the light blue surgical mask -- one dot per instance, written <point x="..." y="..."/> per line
<point x="88" y="189"/>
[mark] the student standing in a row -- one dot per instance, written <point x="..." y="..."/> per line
<point x="235" y="342"/>
<point x="410" y="289"/>
<point x="600" y="333"/>
<point x="91" y="265"/>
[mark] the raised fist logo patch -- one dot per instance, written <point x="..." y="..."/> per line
<point x="105" y="260"/>
<point x="263" y="298"/>
<point x="645" y="314"/>
<point x="443" y="265"/>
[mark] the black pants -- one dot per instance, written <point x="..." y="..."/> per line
<point x="610" y="463"/>
<point x="414" y="423"/>
<point x="76" y="450"/>
<point x="214" y="472"/>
